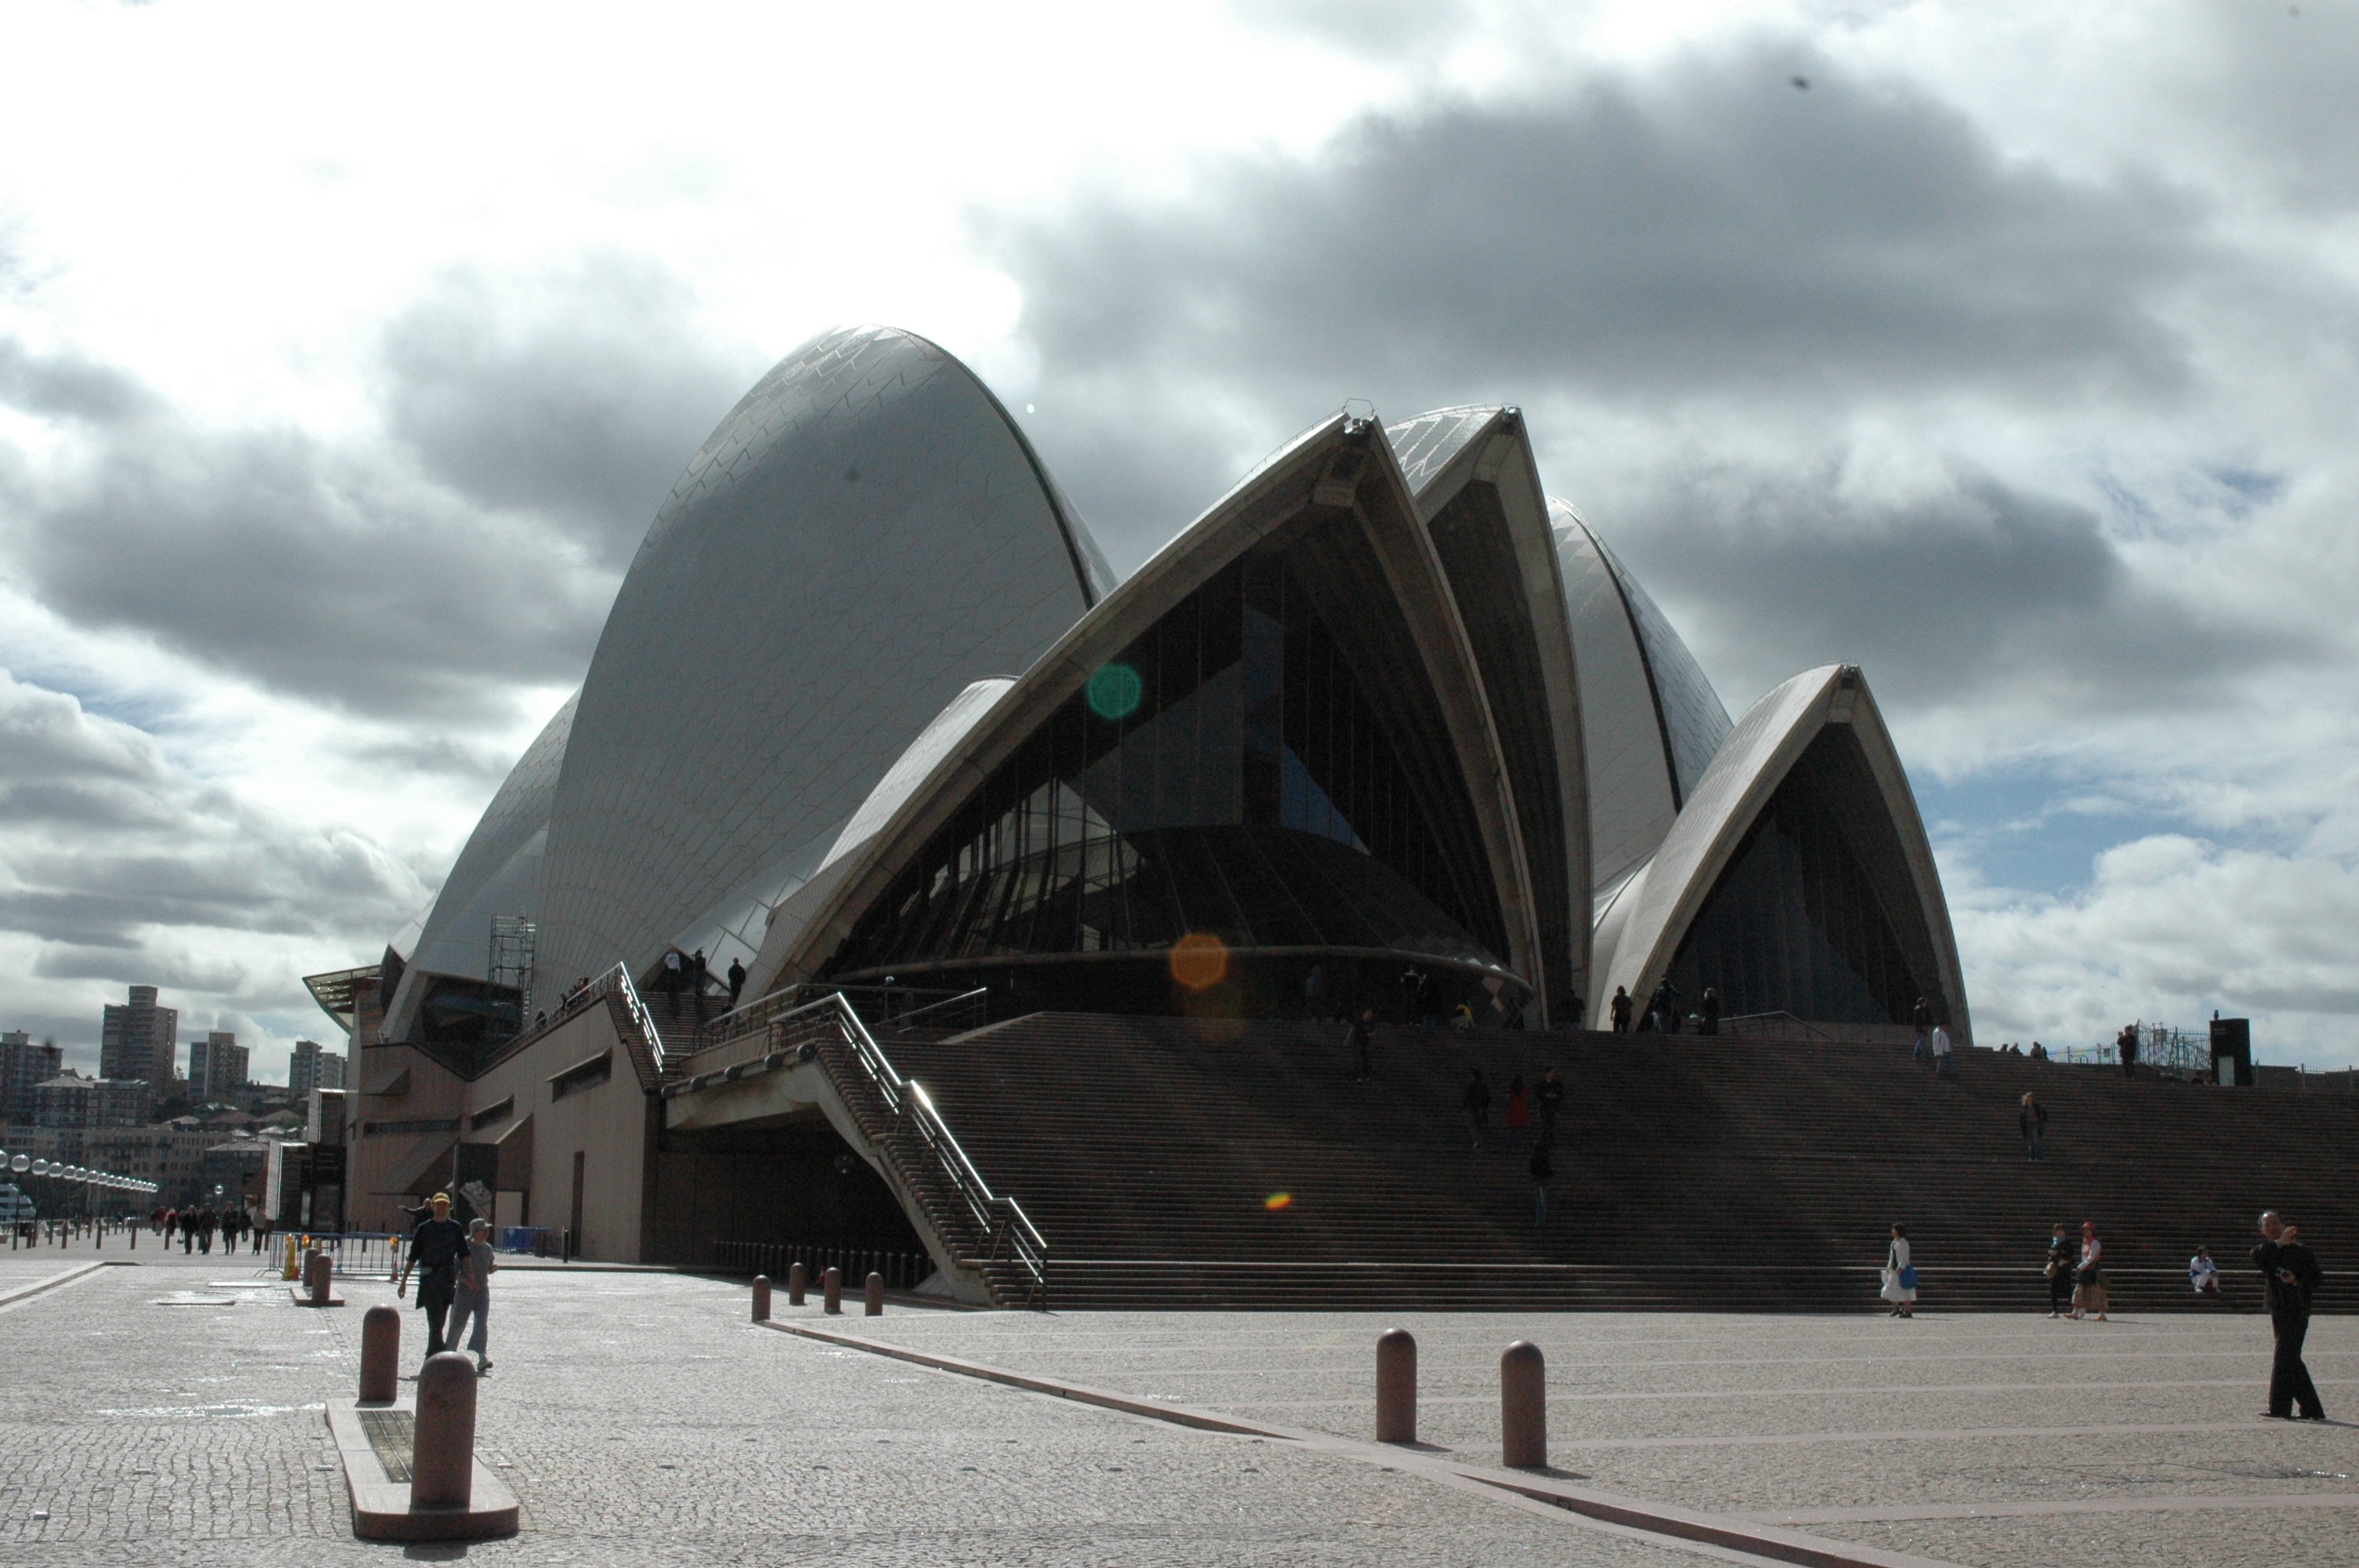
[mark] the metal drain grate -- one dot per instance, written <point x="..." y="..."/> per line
<point x="394" y="1435"/>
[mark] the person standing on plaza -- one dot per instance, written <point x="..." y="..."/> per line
<point x="2089" y="1276"/>
<point x="2061" y="1258"/>
<point x="1550" y="1095"/>
<point x="1708" y="1008"/>
<point x="1945" y="1065"/>
<point x="2290" y="1278"/>
<point x="171" y="1224"/>
<point x="1476" y="1103"/>
<point x="436" y="1247"/>
<point x="1543" y="1171"/>
<point x="1519" y="1111"/>
<point x="1621" y="1010"/>
<point x="1664" y="1007"/>
<point x="2032" y="1120"/>
<point x="471" y="1297"/>
<point x="2126" y="1046"/>
<point x="1899" y="1275"/>
<point x="1361" y="1034"/>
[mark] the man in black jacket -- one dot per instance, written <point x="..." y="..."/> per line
<point x="2289" y="1274"/>
<point x="435" y="1249"/>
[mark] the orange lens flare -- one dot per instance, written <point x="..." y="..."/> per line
<point x="1278" y="1200"/>
<point x="1199" y="961"/>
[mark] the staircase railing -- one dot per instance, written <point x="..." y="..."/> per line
<point x="616" y="982"/>
<point x="785" y="1022"/>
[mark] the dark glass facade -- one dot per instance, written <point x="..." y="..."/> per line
<point x="1228" y="775"/>
<point x="1816" y="914"/>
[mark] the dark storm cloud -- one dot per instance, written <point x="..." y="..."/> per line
<point x="1979" y="588"/>
<point x="102" y="839"/>
<point x="582" y="393"/>
<point x="1705" y="228"/>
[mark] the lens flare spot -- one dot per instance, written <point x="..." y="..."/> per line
<point x="1200" y="961"/>
<point x="1278" y="1201"/>
<point x="1114" y="691"/>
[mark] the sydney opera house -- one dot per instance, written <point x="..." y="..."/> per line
<point x="872" y="715"/>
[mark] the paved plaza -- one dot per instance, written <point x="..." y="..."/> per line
<point x="171" y="1412"/>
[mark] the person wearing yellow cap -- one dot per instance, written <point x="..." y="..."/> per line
<point x="435" y="1249"/>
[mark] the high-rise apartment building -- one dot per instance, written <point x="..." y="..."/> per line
<point x="25" y="1066"/>
<point x="216" y="1067"/>
<point x="140" y="1039"/>
<point x="312" y="1068"/>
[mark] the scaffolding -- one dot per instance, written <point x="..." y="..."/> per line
<point x="510" y="962"/>
<point x="2180" y="1052"/>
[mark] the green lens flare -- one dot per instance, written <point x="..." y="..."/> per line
<point x="1114" y="691"/>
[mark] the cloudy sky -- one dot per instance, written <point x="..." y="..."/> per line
<point x="2010" y="351"/>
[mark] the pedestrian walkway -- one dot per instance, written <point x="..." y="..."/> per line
<point x="171" y="1414"/>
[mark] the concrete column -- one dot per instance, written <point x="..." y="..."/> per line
<point x="442" y="1468"/>
<point x="1523" y="1407"/>
<point x="380" y="1353"/>
<point x="1395" y="1386"/>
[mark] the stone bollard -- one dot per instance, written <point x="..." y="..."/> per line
<point x="796" y="1275"/>
<point x="761" y="1298"/>
<point x="831" y="1289"/>
<point x="874" y="1295"/>
<point x="442" y="1465"/>
<point x="1395" y="1386"/>
<point x="318" y="1269"/>
<point x="380" y="1354"/>
<point x="1523" y="1407"/>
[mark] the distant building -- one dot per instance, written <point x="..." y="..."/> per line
<point x="312" y="1068"/>
<point x="171" y="1157"/>
<point x="25" y="1066"/>
<point x="71" y="1100"/>
<point x="216" y="1067"/>
<point x="140" y="1039"/>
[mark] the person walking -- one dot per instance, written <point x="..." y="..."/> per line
<point x="1664" y="1007"/>
<point x="1920" y="1018"/>
<point x="1621" y="1010"/>
<point x="2290" y="1278"/>
<point x="470" y="1298"/>
<point x="1519" y="1111"/>
<point x="2060" y="1259"/>
<point x="1710" y="1010"/>
<point x="1945" y="1065"/>
<point x="2032" y="1120"/>
<point x="1476" y="1103"/>
<point x="1550" y="1095"/>
<point x="672" y="976"/>
<point x="736" y="983"/>
<point x="435" y="1249"/>
<point x="1543" y="1171"/>
<point x="171" y="1224"/>
<point x="1361" y="1034"/>
<point x="2089" y="1275"/>
<point x="1899" y="1275"/>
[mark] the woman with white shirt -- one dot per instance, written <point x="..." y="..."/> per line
<point x="1899" y="1277"/>
<point x="2089" y="1279"/>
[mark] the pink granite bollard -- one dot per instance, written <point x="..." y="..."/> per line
<point x="874" y="1296"/>
<point x="1395" y="1386"/>
<point x="1523" y="1407"/>
<point x="318" y="1271"/>
<point x="761" y="1298"/>
<point x="831" y="1289"/>
<point x="795" y="1277"/>
<point x="442" y="1465"/>
<point x="380" y="1354"/>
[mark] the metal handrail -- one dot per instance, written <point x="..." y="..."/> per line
<point x="967" y="998"/>
<point x="617" y="981"/>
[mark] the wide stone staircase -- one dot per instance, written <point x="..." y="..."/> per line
<point x="1183" y="1163"/>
